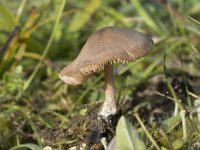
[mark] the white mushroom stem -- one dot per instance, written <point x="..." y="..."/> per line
<point x="109" y="105"/>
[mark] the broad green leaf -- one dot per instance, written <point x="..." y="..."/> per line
<point x="127" y="136"/>
<point x="170" y="124"/>
<point x="178" y="144"/>
<point x="7" y="19"/>
<point x="29" y="146"/>
<point x="82" y="17"/>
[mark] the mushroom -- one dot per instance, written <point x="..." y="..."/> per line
<point x="107" y="46"/>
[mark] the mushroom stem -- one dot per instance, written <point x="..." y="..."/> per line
<point x="109" y="105"/>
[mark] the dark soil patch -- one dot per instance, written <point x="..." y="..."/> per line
<point x="87" y="129"/>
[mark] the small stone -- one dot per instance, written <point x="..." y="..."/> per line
<point x="47" y="148"/>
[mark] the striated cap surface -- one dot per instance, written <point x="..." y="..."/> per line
<point x="106" y="45"/>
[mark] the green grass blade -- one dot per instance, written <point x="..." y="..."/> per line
<point x="194" y="20"/>
<point x="27" y="83"/>
<point x="82" y="17"/>
<point x="176" y="100"/>
<point x="36" y="132"/>
<point x="145" y="16"/>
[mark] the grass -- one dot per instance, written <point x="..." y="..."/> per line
<point x="38" y="38"/>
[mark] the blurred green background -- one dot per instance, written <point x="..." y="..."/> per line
<point x="38" y="38"/>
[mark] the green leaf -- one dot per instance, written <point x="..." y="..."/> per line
<point x="127" y="136"/>
<point x="169" y="124"/>
<point x="82" y="17"/>
<point x="29" y="146"/>
<point x="178" y="143"/>
<point x="7" y="19"/>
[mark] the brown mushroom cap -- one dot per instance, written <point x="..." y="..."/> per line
<point x="106" y="45"/>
